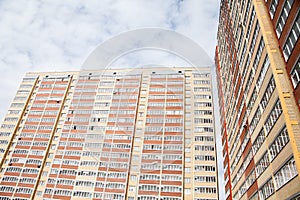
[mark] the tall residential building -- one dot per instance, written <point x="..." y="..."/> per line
<point x="258" y="69"/>
<point x="142" y="134"/>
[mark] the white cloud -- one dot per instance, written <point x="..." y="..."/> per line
<point x="40" y="35"/>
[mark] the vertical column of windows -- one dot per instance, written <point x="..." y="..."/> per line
<point x="116" y="153"/>
<point x="203" y="145"/>
<point x="161" y="168"/>
<point x="292" y="38"/>
<point x="273" y="116"/>
<point x="273" y="7"/>
<point x="151" y="162"/>
<point x="33" y="139"/>
<point x="11" y="120"/>
<point x="295" y="74"/>
<point x="283" y="16"/>
<point x="45" y="112"/>
<point x="252" y="17"/>
<point x="66" y="158"/>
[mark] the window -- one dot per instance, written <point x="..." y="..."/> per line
<point x="82" y="194"/>
<point x="203" y="120"/>
<point x="7" y="189"/>
<point x="13" y="111"/>
<point x="3" y="142"/>
<point x="106" y="83"/>
<point x="267" y="189"/>
<point x="34" y="161"/>
<point x="273" y="7"/>
<point x="292" y="38"/>
<point x="286" y="173"/>
<point x="207" y="190"/>
<point x="131" y="188"/>
<point x="45" y="127"/>
<point x="268" y="93"/>
<point x="86" y="173"/>
<point x="152" y="120"/>
<point x="14" y="169"/>
<point x="24" y="190"/>
<point x="171" y="189"/>
<point x="30" y="171"/>
<point x="155" y="112"/>
<point x="171" y="138"/>
<point x="70" y="162"/>
<point x="171" y="178"/>
<point x="203" y="129"/>
<point x="253" y="41"/>
<point x="249" y="181"/>
<point x="263" y="72"/>
<point x="204" y="138"/>
<point x="252" y="101"/>
<point x="201" y="89"/>
<point x="8" y="126"/>
<point x="202" y="104"/>
<point x="64" y="172"/>
<point x="187" y="191"/>
<point x="250" y="79"/>
<point x="283" y="16"/>
<point x="204" y="158"/>
<point x="173" y="129"/>
<point x="273" y="116"/>
<point x="258" y="141"/>
<point x="20" y="151"/>
<point x="203" y="112"/>
<point x="17" y="105"/>
<point x="204" y="148"/>
<point x="38" y="193"/>
<point x="28" y="79"/>
<point x="10" y="119"/>
<point x="207" y="168"/>
<point x="187" y="150"/>
<point x="255" y="120"/>
<point x="10" y="179"/>
<point x="85" y="112"/>
<point x="133" y="177"/>
<point x="262" y="164"/>
<point x="258" y="53"/>
<point x="100" y="104"/>
<point x="172" y="167"/>
<point x="48" y="191"/>
<point x="187" y="180"/>
<point x="63" y="192"/>
<point x="187" y="170"/>
<point x="84" y="183"/>
<point x="149" y="188"/>
<point x="173" y="104"/>
<point x="205" y="178"/>
<point x="252" y="17"/>
<point x="169" y="147"/>
<point x="203" y="82"/>
<point x="152" y="129"/>
<point x="281" y="140"/>
<point x="295" y="73"/>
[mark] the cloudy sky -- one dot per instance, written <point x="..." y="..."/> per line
<point x="56" y="35"/>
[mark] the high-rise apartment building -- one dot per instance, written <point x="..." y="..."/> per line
<point x="258" y="69"/>
<point x="143" y="134"/>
